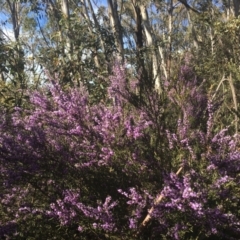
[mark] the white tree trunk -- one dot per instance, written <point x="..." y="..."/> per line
<point x="65" y="13"/>
<point x="116" y="26"/>
<point x="150" y="44"/>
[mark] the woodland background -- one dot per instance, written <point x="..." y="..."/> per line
<point x="119" y="119"/>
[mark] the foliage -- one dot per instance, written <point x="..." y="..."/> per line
<point x="13" y="81"/>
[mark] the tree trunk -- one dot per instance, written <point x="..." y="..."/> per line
<point x="14" y="9"/>
<point x="150" y="44"/>
<point x="116" y="26"/>
<point x="141" y="70"/>
<point x="65" y="14"/>
<point x="236" y="4"/>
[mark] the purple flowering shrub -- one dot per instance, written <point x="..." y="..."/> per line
<point x="72" y="157"/>
<point x="201" y="203"/>
<point x="93" y="171"/>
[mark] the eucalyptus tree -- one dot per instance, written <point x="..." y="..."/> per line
<point x="14" y="14"/>
<point x="80" y="39"/>
<point x="76" y="43"/>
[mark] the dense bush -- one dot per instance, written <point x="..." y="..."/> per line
<point x="71" y="169"/>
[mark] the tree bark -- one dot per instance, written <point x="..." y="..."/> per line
<point x="14" y="9"/>
<point x="150" y="44"/>
<point x="141" y="70"/>
<point x="236" y="5"/>
<point x="116" y="26"/>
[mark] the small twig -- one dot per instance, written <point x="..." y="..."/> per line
<point x="234" y="101"/>
<point x="219" y="85"/>
<point x="156" y="201"/>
